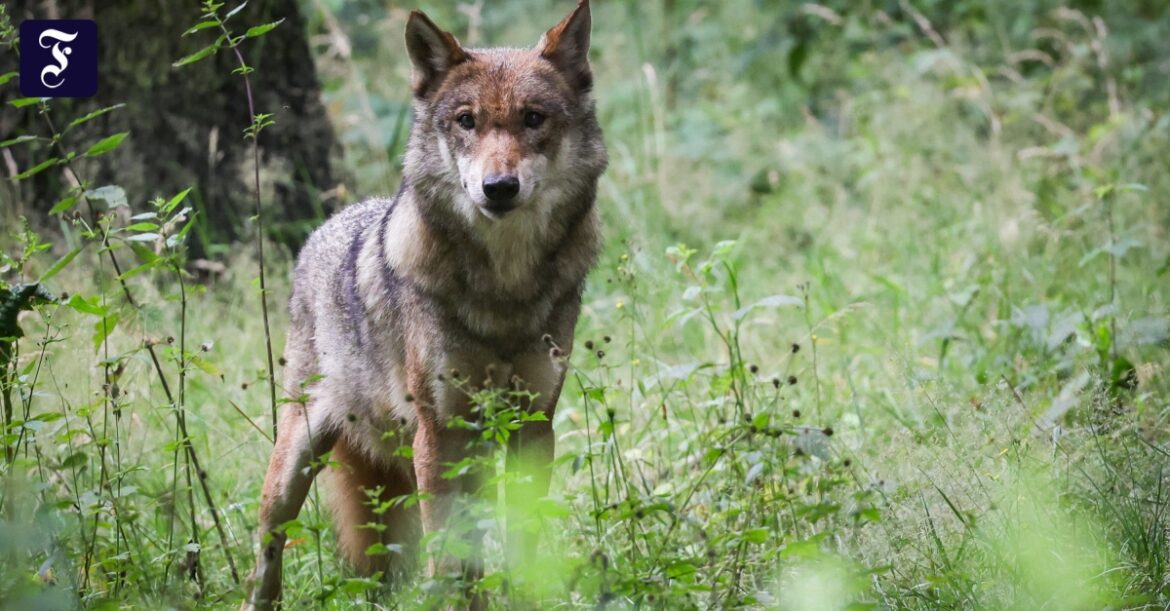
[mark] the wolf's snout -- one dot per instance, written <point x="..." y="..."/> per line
<point x="500" y="189"/>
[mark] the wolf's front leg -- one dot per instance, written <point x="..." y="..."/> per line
<point x="305" y="435"/>
<point x="529" y="465"/>
<point x="437" y="447"/>
<point x="530" y="455"/>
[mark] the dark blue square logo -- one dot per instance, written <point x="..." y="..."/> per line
<point x="58" y="58"/>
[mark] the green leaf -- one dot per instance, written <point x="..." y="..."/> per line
<point x="756" y="535"/>
<point x="142" y="227"/>
<point x="261" y="30"/>
<point x="113" y="195"/>
<point x="64" y="205"/>
<point x="8" y="76"/>
<point x="381" y="549"/>
<point x="93" y="115"/>
<point x="22" y="102"/>
<point x="807" y="548"/>
<point x="83" y="305"/>
<point x="232" y="12"/>
<point x="60" y="264"/>
<point x="74" y="460"/>
<point x="137" y="270"/>
<point x="146" y="254"/>
<point x="17" y="140"/>
<point x="206" y="366"/>
<point x="175" y="201"/>
<point x="200" y="54"/>
<point x="103" y="328"/>
<point x="681" y="570"/>
<point x="106" y="145"/>
<point x="37" y="169"/>
<point x="202" y="25"/>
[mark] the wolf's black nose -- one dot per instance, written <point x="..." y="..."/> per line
<point x="501" y="187"/>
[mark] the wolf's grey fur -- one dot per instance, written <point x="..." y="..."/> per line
<point x="392" y="295"/>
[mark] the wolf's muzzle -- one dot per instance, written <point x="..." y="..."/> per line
<point x="501" y="190"/>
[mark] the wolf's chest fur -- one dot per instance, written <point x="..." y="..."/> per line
<point x="383" y="279"/>
<point x="496" y="284"/>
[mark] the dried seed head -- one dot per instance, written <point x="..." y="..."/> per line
<point x="170" y="340"/>
<point x="847" y="462"/>
<point x="206" y="347"/>
<point x="588" y="344"/>
<point x="283" y="361"/>
<point x="828" y="431"/>
<point x="409" y="398"/>
<point x="547" y="339"/>
<point x="776" y="382"/>
<point x="792" y="380"/>
<point x="610" y="412"/>
<point x="455" y="373"/>
<point x="555" y="352"/>
<point x="244" y="386"/>
<point x="351" y="417"/>
<point x="600" y="354"/>
<point x="795" y="413"/>
<point x="441" y="377"/>
<point x="607" y="339"/>
<point x="754" y="368"/>
<point x="795" y="347"/>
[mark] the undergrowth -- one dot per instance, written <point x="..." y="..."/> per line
<point x="926" y="371"/>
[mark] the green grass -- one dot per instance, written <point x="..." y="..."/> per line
<point x="951" y="391"/>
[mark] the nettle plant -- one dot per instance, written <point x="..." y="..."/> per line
<point x="108" y="528"/>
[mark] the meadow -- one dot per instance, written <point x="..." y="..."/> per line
<point x="882" y="321"/>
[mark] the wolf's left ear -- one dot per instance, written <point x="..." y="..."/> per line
<point x="566" y="45"/>
<point x="432" y="53"/>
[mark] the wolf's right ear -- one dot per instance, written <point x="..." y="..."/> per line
<point x="432" y="51"/>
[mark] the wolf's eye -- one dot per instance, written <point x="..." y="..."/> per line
<point x="533" y="119"/>
<point x="465" y="120"/>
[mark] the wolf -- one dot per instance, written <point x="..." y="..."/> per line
<point x="475" y="268"/>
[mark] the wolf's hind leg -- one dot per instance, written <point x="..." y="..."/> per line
<point x="353" y="480"/>
<point x="305" y="435"/>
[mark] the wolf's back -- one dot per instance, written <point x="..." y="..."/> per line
<point x="319" y="282"/>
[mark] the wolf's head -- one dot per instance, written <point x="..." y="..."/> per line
<point x="504" y="134"/>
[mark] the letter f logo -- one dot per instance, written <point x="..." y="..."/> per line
<point x="58" y="58"/>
